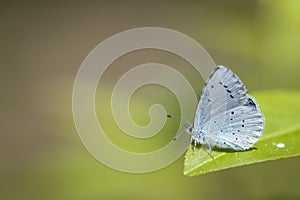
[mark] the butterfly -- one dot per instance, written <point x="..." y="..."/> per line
<point x="227" y="117"/>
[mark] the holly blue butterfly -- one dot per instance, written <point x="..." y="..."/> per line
<point x="226" y="116"/>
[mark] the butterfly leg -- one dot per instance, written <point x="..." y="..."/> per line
<point x="207" y="148"/>
<point x="194" y="147"/>
<point x="191" y="139"/>
<point x="210" y="152"/>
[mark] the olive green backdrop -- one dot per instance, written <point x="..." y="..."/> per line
<point x="42" y="46"/>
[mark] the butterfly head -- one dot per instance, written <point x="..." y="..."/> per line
<point x="189" y="129"/>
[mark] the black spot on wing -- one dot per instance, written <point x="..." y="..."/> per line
<point x="250" y="103"/>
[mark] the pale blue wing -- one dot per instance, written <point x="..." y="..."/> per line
<point x="223" y="91"/>
<point x="239" y="129"/>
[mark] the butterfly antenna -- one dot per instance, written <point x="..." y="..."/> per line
<point x="181" y="119"/>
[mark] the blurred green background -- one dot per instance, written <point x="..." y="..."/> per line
<point x="42" y="46"/>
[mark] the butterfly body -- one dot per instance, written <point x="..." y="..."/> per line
<point x="226" y="117"/>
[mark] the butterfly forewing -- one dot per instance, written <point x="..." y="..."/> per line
<point x="223" y="91"/>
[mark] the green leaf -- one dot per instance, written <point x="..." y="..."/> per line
<point x="282" y="114"/>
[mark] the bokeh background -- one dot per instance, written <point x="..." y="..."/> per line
<point x="42" y="46"/>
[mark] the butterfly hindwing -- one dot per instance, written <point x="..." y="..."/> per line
<point x="239" y="129"/>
